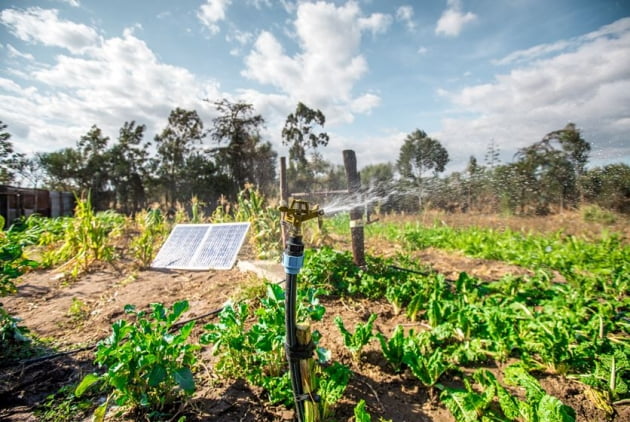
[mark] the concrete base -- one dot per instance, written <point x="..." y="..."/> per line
<point x="271" y="270"/>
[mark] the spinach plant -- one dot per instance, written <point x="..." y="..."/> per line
<point x="146" y="365"/>
<point x="355" y="342"/>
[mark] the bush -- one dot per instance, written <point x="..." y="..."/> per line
<point x="596" y="214"/>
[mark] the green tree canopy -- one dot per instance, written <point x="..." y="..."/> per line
<point x="241" y="154"/>
<point x="419" y="155"/>
<point x="175" y="144"/>
<point x="129" y="167"/>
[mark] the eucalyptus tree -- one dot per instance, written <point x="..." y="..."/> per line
<point x="301" y="135"/>
<point x="420" y="155"/>
<point x="175" y="144"/>
<point x="240" y="152"/>
<point x="93" y="168"/>
<point x="129" y="167"/>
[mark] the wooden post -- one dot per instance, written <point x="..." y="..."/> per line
<point x="284" y="196"/>
<point x="307" y="368"/>
<point x="356" y="213"/>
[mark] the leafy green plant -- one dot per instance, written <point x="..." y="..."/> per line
<point x="469" y="405"/>
<point x="147" y="365"/>
<point x="78" y="310"/>
<point x="360" y="412"/>
<point x="256" y="352"/>
<point x="611" y="375"/>
<point x="394" y="347"/>
<point x="428" y="369"/>
<point x="538" y="406"/>
<point x="331" y="384"/>
<point x="14" y="340"/>
<point x="64" y="406"/>
<point x="356" y="341"/>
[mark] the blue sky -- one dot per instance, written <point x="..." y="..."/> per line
<point x="468" y="72"/>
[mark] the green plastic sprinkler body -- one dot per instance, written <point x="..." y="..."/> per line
<point x="293" y="259"/>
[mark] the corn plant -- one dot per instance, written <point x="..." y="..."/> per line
<point x="265" y="220"/>
<point x="153" y="229"/>
<point x="88" y="238"/>
<point x="147" y="366"/>
<point x="355" y="342"/>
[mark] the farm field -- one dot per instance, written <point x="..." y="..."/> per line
<point x="501" y="318"/>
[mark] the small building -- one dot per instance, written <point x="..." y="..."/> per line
<point x="21" y="202"/>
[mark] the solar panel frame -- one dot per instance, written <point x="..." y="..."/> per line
<point x="202" y="246"/>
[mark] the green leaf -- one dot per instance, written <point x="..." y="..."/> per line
<point x="464" y="405"/>
<point x="185" y="380"/>
<point x="86" y="383"/>
<point x="178" y="309"/>
<point x="360" y="414"/>
<point x="100" y="412"/>
<point x="551" y="409"/>
<point x="157" y="375"/>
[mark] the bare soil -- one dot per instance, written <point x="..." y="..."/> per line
<point x="44" y="303"/>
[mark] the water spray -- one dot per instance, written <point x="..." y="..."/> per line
<point x="298" y="350"/>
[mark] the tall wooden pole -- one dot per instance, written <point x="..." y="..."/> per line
<point x="356" y="213"/>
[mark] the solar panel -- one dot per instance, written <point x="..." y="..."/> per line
<point x="202" y="246"/>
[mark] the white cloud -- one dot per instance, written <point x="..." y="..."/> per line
<point x="259" y="4"/>
<point x="120" y="80"/>
<point x="453" y="19"/>
<point x="423" y="50"/>
<point x="324" y="72"/>
<point x="376" y="22"/>
<point x="542" y="50"/>
<point x="212" y="12"/>
<point x="43" y="26"/>
<point x="589" y="86"/>
<point x="14" y="52"/>
<point x="73" y="3"/>
<point x="405" y="14"/>
<point x="241" y="37"/>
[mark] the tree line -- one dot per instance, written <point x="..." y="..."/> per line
<point x="186" y="159"/>
<point x="548" y="176"/>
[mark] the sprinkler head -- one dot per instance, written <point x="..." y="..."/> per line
<point x="298" y="212"/>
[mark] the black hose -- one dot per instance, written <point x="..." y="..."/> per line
<point x="293" y="256"/>
<point x="294" y="364"/>
<point x="38" y="359"/>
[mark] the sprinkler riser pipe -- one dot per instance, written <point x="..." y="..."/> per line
<point x="293" y="259"/>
